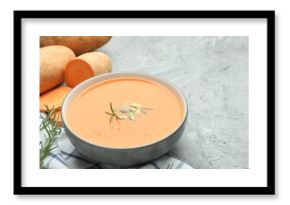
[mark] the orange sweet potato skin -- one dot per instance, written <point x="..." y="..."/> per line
<point x="53" y="60"/>
<point x="79" y="44"/>
<point x="53" y="99"/>
<point x="99" y="61"/>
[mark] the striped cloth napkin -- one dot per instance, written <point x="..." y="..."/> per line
<point x="65" y="156"/>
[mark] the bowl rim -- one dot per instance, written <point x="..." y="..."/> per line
<point x="108" y="76"/>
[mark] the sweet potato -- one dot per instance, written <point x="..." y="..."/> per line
<point x="53" y="60"/>
<point x="79" y="44"/>
<point x="53" y="99"/>
<point x="86" y="66"/>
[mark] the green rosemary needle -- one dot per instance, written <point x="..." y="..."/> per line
<point x="49" y="125"/>
<point x="113" y="114"/>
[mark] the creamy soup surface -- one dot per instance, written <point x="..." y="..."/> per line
<point x="143" y="112"/>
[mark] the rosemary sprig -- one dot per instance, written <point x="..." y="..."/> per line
<point x="127" y="111"/>
<point x="133" y="106"/>
<point x="49" y="125"/>
<point x="113" y="114"/>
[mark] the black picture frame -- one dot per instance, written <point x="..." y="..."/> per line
<point x="268" y="190"/>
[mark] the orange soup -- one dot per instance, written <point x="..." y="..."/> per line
<point x="124" y="112"/>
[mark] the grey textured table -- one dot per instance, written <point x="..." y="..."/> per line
<point x="212" y="72"/>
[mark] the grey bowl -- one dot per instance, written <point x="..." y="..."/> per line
<point x="123" y="156"/>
